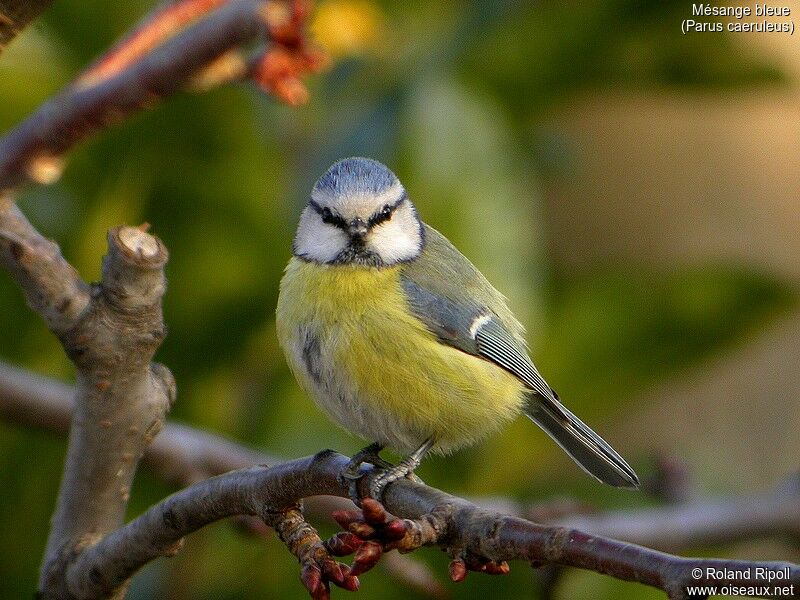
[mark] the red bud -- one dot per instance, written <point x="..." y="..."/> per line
<point x="458" y="570"/>
<point x="362" y="530"/>
<point x="374" y="513"/>
<point x="495" y="568"/>
<point x="343" y="544"/>
<point x="351" y="583"/>
<point x="396" y="530"/>
<point x="366" y="557"/>
<point x="333" y="571"/>
<point x="345" y="517"/>
<point x="311" y="576"/>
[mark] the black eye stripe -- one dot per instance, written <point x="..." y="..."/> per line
<point x="382" y="215"/>
<point x="385" y="213"/>
<point x="328" y="216"/>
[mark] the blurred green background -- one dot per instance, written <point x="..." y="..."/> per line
<point x="632" y="190"/>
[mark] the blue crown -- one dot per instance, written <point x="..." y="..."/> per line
<point x="356" y="176"/>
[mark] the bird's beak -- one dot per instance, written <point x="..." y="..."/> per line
<point x="357" y="228"/>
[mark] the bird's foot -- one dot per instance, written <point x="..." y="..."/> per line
<point x="379" y="479"/>
<point x="352" y="472"/>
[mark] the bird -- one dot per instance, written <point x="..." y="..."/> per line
<point x="402" y="341"/>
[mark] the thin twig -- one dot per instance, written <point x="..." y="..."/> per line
<point x="156" y="27"/>
<point x="33" y="150"/>
<point x="51" y="286"/>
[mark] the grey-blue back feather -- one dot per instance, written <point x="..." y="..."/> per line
<point x="356" y="176"/>
<point x="441" y="270"/>
<point x="448" y="293"/>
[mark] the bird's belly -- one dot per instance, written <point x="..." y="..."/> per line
<point x="377" y="371"/>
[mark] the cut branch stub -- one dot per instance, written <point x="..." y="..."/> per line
<point x="121" y="400"/>
<point x="133" y="276"/>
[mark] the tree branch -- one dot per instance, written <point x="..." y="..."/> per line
<point x="15" y="15"/>
<point x="461" y="527"/>
<point x="51" y="286"/>
<point x="121" y="398"/>
<point x="183" y="455"/>
<point x="721" y="521"/>
<point x="111" y="331"/>
<point x="33" y="150"/>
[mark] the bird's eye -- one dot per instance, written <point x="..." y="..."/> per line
<point x="382" y="215"/>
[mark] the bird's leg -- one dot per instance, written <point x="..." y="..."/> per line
<point x="380" y="479"/>
<point x="352" y="472"/>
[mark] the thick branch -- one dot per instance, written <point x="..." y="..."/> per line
<point x="15" y="15"/>
<point x="110" y="332"/>
<point x="183" y="455"/>
<point x="80" y="111"/>
<point x="459" y="525"/>
<point x="121" y="398"/>
<point x="255" y="491"/>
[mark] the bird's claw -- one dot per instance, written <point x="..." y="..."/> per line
<point x="384" y="472"/>
<point x="352" y="473"/>
<point x="378" y="480"/>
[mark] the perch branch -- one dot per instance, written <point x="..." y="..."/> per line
<point x="183" y="455"/>
<point x="460" y="527"/>
<point x="180" y="455"/>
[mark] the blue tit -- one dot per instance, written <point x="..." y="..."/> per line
<point x="401" y="340"/>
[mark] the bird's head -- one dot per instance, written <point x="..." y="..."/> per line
<point x="359" y="214"/>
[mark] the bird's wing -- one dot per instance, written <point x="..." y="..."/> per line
<point x="476" y="330"/>
<point x="455" y="301"/>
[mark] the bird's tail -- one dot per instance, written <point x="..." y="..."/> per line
<point x="589" y="450"/>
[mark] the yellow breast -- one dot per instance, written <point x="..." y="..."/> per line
<point x="373" y="367"/>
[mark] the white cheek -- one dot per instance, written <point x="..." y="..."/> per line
<point x="318" y="241"/>
<point x="397" y="240"/>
